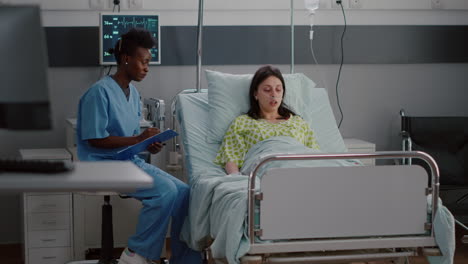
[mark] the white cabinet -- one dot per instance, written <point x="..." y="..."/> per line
<point x="47" y="218"/>
<point x="49" y="238"/>
<point x="50" y="255"/>
<point x="360" y="146"/>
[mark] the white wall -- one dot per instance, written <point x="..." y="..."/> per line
<point x="371" y="95"/>
<point x="262" y="12"/>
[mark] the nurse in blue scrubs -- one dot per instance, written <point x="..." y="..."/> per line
<point x="108" y="117"/>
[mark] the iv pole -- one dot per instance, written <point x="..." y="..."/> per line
<point x="199" y="44"/>
<point x="292" y="35"/>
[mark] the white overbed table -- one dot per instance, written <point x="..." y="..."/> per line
<point x="109" y="176"/>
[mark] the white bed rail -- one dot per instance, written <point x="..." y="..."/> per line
<point x="252" y="192"/>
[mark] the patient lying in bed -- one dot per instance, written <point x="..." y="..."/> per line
<point x="268" y="117"/>
<point x="218" y="204"/>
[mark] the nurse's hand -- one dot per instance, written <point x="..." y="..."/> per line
<point x="149" y="132"/>
<point x="155" y="147"/>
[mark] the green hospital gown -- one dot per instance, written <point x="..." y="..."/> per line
<point x="245" y="132"/>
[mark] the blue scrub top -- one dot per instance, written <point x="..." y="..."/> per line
<point x="105" y="111"/>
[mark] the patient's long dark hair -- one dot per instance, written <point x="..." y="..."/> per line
<point x="262" y="74"/>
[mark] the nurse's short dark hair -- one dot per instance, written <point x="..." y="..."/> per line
<point x="130" y="41"/>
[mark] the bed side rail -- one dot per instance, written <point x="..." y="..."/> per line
<point x="376" y="155"/>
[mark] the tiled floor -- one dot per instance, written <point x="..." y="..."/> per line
<point x="11" y="254"/>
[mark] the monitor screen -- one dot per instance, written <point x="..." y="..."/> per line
<point x="24" y="96"/>
<point x="113" y="25"/>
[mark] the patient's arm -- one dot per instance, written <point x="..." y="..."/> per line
<point x="231" y="167"/>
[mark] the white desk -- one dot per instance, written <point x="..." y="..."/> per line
<point x="51" y="239"/>
<point x="114" y="176"/>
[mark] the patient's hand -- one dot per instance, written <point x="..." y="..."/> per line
<point x="231" y="168"/>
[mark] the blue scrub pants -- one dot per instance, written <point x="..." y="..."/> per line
<point x="168" y="198"/>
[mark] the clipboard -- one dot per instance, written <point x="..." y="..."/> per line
<point x="128" y="152"/>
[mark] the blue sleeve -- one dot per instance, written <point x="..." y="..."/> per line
<point x="137" y="130"/>
<point x="94" y="114"/>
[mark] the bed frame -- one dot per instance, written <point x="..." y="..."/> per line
<point x="339" y="214"/>
<point x="342" y="230"/>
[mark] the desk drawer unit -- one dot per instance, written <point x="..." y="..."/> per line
<point x="59" y="255"/>
<point x="47" y="218"/>
<point x="48" y="203"/>
<point x="47" y="228"/>
<point x="48" y="238"/>
<point x="48" y="221"/>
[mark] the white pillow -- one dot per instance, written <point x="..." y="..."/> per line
<point x="228" y="97"/>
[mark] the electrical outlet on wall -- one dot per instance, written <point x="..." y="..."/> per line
<point x="334" y="4"/>
<point x="356" y="4"/>
<point x="436" y="4"/>
<point x="97" y="4"/>
<point x="323" y="4"/>
<point x="135" y="4"/>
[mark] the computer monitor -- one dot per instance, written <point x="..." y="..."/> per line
<point x="24" y="96"/>
<point x="113" y="25"/>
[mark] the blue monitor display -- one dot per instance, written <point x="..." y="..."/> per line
<point x="113" y="25"/>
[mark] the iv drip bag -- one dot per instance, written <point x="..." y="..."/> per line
<point x="311" y="5"/>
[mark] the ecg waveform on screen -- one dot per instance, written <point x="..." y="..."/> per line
<point x="143" y="23"/>
<point x="122" y="24"/>
<point x="113" y="26"/>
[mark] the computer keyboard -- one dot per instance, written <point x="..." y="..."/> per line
<point x="35" y="166"/>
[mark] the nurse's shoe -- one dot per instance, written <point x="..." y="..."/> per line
<point x="129" y="257"/>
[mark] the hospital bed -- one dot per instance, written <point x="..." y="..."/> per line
<point x="318" y="214"/>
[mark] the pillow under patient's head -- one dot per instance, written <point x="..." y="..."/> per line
<point x="228" y="97"/>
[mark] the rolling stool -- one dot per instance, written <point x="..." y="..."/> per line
<point x="107" y="234"/>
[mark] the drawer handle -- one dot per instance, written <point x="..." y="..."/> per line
<point x="49" y="240"/>
<point x="51" y="257"/>
<point x="49" y="205"/>
<point x="49" y="222"/>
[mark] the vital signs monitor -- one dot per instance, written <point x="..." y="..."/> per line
<point x="113" y="25"/>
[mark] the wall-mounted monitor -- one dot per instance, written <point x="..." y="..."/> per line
<point x="113" y="25"/>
